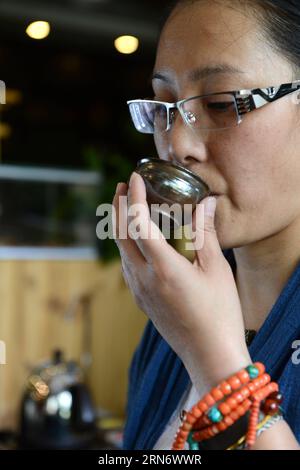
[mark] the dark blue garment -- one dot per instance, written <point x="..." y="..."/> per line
<point x="158" y="378"/>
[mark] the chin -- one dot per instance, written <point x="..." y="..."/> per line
<point x="227" y="239"/>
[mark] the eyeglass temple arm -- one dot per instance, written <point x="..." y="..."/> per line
<point x="254" y="99"/>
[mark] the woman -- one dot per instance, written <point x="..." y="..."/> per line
<point x="246" y="276"/>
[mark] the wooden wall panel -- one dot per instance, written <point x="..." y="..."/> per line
<point x="41" y="310"/>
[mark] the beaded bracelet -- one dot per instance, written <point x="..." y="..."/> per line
<point x="228" y="402"/>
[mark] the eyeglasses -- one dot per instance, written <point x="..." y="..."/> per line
<point x="214" y="111"/>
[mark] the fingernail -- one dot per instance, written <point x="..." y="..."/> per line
<point x="133" y="176"/>
<point x="210" y="206"/>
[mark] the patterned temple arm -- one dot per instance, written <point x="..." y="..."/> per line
<point x="248" y="100"/>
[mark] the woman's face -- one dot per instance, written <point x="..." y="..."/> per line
<point x="254" y="166"/>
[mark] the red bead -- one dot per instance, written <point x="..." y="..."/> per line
<point x="277" y="396"/>
<point x="270" y="407"/>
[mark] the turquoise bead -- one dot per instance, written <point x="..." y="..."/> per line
<point x="215" y="415"/>
<point x="252" y="371"/>
<point x="193" y="445"/>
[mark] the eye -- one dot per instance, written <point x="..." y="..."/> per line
<point x="220" y="106"/>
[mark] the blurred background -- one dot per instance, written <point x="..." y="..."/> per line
<point x="68" y="324"/>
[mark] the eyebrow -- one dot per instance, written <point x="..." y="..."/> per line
<point x="200" y="73"/>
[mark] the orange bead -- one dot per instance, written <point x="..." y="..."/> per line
<point x="224" y="408"/>
<point x="260" y="395"/>
<point x="181" y="441"/>
<point x="267" y="377"/>
<point x="221" y="426"/>
<point x="209" y="400"/>
<point x="243" y="376"/>
<point x="186" y="426"/>
<point x="214" y="430"/>
<point x="231" y="402"/>
<point x="238" y="397"/>
<point x="240" y="410"/>
<point x="257" y="382"/>
<point x="225" y="387"/>
<point x="251" y="387"/>
<point x="234" y="415"/>
<point x="263" y="380"/>
<point x="202" y="406"/>
<point x="217" y="394"/>
<point x="196" y="412"/>
<point x="245" y="392"/>
<point x="234" y="382"/>
<point x="189" y="418"/>
<point x="246" y="404"/>
<point x="228" y="420"/>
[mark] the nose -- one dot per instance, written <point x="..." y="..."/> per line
<point x="185" y="145"/>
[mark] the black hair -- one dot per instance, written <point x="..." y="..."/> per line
<point x="280" y="21"/>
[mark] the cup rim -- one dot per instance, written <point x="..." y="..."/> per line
<point x="173" y="165"/>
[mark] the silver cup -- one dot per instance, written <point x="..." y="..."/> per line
<point x="168" y="184"/>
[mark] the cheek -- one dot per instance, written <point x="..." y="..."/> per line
<point x="259" y="161"/>
<point x="262" y="172"/>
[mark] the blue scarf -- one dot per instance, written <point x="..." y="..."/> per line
<point x="158" y="378"/>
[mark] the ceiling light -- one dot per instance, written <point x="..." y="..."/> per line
<point x="38" y="29"/>
<point x="126" y="44"/>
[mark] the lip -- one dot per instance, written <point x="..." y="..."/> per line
<point x="205" y="180"/>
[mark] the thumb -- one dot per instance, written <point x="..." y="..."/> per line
<point x="206" y="243"/>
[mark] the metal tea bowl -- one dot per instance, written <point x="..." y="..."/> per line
<point x="171" y="184"/>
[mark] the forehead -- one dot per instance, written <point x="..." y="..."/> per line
<point x="205" y="33"/>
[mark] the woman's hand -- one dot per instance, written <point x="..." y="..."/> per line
<point x="194" y="306"/>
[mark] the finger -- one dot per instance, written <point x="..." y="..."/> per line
<point x="126" y="245"/>
<point x="147" y="234"/>
<point x="206" y="243"/>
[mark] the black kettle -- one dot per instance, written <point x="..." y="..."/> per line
<point x="57" y="410"/>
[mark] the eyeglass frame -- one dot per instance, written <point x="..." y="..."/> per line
<point x="244" y="101"/>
